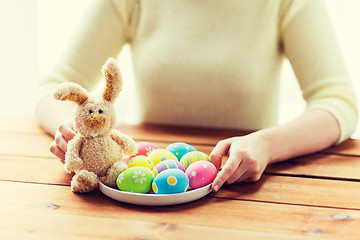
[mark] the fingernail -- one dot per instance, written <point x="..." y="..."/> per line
<point x="216" y="188"/>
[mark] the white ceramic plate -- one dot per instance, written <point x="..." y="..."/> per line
<point x="154" y="199"/>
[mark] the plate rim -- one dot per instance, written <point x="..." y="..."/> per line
<point x="147" y="199"/>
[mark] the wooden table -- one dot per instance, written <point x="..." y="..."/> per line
<point x="312" y="197"/>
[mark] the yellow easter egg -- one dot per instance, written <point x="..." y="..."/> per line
<point x="159" y="155"/>
<point x="141" y="160"/>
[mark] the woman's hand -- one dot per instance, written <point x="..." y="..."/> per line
<point x="248" y="158"/>
<point x="313" y="131"/>
<point x="63" y="135"/>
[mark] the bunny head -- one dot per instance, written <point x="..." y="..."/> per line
<point x="94" y="115"/>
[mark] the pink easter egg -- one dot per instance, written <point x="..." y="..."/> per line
<point x="144" y="148"/>
<point x="201" y="173"/>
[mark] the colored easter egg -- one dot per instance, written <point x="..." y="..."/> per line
<point x="170" y="181"/>
<point x="145" y="148"/>
<point x="167" y="164"/>
<point x="192" y="157"/>
<point x="141" y="160"/>
<point x="159" y="155"/>
<point x="201" y="173"/>
<point x="136" y="179"/>
<point x="179" y="149"/>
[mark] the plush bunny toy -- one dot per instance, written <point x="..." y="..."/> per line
<point x="97" y="149"/>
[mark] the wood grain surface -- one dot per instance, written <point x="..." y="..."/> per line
<point x="311" y="197"/>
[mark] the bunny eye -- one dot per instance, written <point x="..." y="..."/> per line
<point x="101" y="111"/>
<point x="91" y="111"/>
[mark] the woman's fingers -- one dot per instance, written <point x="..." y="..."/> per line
<point x="220" y="150"/>
<point x="230" y="172"/>
<point x="247" y="160"/>
<point x="54" y="149"/>
<point x="66" y="130"/>
<point x="238" y="175"/>
<point x="63" y="135"/>
<point x="60" y="141"/>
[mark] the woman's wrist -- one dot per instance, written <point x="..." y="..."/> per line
<point x="311" y="132"/>
<point x="271" y="144"/>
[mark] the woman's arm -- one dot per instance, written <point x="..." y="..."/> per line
<point x="307" y="39"/>
<point x="249" y="155"/>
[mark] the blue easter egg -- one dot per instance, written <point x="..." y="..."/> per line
<point x="170" y="181"/>
<point x="179" y="149"/>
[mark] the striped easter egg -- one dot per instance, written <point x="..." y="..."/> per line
<point x="167" y="164"/>
<point x="194" y="156"/>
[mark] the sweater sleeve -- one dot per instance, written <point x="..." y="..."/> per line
<point x="103" y="31"/>
<point x="311" y="47"/>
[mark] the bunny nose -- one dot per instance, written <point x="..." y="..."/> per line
<point x="95" y="121"/>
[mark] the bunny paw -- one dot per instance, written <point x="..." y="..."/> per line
<point x="73" y="165"/>
<point x="84" y="181"/>
<point x="113" y="173"/>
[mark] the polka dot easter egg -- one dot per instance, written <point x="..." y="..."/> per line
<point x="136" y="179"/>
<point x="179" y="149"/>
<point x="201" y="173"/>
<point x="141" y="160"/>
<point x="167" y="164"/>
<point x="192" y="157"/>
<point x="145" y="148"/>
<point x="159" y="155"/>
<point x="170" y="181"/>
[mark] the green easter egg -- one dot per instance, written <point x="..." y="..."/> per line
<point x="141" y="160"/>
<point x="136" y="179"/>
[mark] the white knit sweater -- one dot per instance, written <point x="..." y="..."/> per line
<point x="214" y="63"/>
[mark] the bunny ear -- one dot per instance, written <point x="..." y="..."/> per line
<point x="71" y="91"/>
<point x="113" y="79"/>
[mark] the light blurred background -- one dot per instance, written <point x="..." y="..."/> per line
<point x="34" y="32"/>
